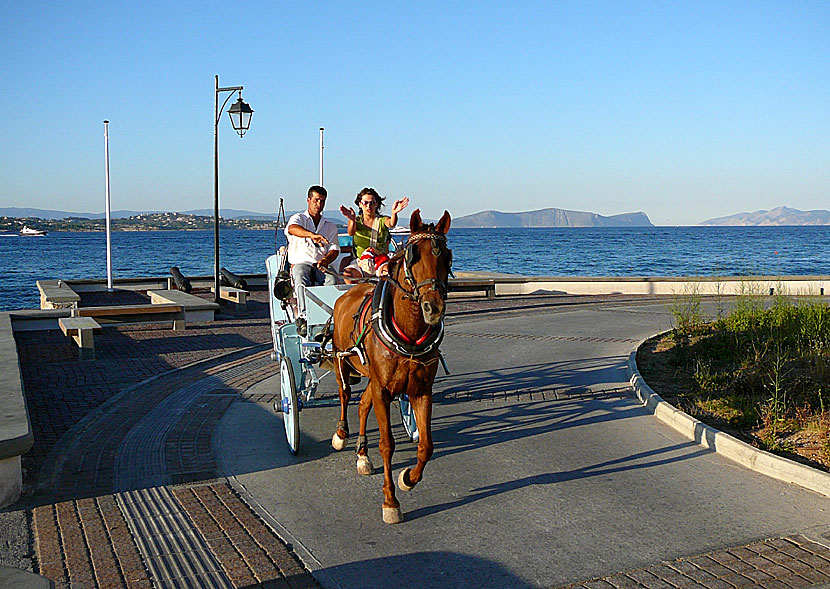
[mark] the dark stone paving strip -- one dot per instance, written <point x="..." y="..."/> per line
<point x="148" y="456"/>
<point x="172" y="550"/>
<point x="541" y="338"/>
<point x="187" y="448"/>
<point x="793" y="561"/>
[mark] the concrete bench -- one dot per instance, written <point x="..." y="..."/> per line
<point x="16" y="436"/>
<point x="237" y="296"/>
<point x="56" y="294"/>
<point x="195" y="308"/>
<point x="82" y="330"/>
<point x="487" y="285"/>
<point x="135" y="314"/>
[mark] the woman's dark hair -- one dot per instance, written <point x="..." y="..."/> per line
<point x="378" y="198"/>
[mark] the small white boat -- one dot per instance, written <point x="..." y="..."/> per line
<point x="31" y="232"/>
<point x="398" y="230"/>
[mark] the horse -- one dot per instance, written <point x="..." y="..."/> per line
<point x="390" y="333"/>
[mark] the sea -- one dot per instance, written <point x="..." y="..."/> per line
<point x="560" y="251"/>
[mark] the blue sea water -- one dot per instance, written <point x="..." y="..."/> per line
<point x="641" y="251"/>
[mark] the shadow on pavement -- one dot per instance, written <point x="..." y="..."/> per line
<point x="652" y="458"/>
<point x="437" y="569"/>
<point x="548" y="376"/>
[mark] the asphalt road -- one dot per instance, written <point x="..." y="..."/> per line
<point x="546" y="469"/>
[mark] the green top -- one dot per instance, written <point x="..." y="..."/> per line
<point x="363" y="236"/>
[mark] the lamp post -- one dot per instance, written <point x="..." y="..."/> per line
<point x="240" y="114"/>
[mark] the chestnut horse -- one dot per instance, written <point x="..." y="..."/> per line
<point x="390" y="332"/>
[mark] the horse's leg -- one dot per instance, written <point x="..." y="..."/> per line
<point x="422" y="406"/>
<point x="341" y="434"/>
<point x="391" y="508"/>
<point x="364" y="463"/>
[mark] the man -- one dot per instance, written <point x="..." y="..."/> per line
<point x="312" y="242"/>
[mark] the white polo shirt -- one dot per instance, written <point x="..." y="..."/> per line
<point x="303" y="250"/>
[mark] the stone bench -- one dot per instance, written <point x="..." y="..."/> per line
<point x="135" y="314"/>
<point x="16" y="436"/>
<point x="237" y="296"/>
<point x="487" y="285"/>
<point x="56" y="294"/>
<point x="82" y="330"/>
<point x="195" y="308"/>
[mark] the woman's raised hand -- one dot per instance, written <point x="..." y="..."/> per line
<point x="348" y="213"/>
<point x="400" y="205"/>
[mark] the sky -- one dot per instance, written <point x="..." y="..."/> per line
<point x="683" y="110"/>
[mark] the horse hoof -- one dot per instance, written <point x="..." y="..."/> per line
<point x="364" y="465"/>
<point x="337" y="442"/>
<point x="401" y="481"/>
<point x="392" y="515"/>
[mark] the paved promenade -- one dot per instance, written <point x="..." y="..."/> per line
<point x="160" y="464"/>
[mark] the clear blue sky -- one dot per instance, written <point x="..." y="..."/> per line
<point x="684" y="110"/>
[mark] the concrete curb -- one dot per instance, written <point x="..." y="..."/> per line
<point x="724" y="444"/>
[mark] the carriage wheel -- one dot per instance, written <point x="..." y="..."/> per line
<point x="290" y="404"/>
<point x="408" y="418"/>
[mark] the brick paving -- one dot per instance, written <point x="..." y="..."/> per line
<point x="793" y="561"/>
<point x="82" y="412"/>
<point x="84" y="530"/>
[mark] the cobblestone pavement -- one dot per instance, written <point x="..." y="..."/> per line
<point x="122" y="490"/>
<point x="793" y="561"/>
<point x="121" y="483"/>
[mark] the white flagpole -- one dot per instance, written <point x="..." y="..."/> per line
<point x="321" y="157"/>
<point x="107" y="167"/>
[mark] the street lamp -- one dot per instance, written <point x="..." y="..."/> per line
<point x="240" y="114"/>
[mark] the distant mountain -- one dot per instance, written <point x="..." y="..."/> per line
<point x="44" y="213"/>
<point x="551" y="218"/>
<point x="777" y="216"/>
<point x="236" y="214"/>
<point x="123" y="214"/>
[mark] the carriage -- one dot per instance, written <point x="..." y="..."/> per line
<point x="388" y="332"/>
<point x="300" y="322"/>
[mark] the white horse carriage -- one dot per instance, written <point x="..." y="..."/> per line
<point x="301" y="325"/>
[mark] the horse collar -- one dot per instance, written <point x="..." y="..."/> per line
<point x="390" y="335"/>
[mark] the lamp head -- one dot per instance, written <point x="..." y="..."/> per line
<point x="240" y="114"/>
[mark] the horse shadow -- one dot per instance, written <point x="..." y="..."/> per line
<point x="437" y="569"/>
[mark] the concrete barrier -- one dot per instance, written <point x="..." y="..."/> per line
<point x="15" y="428"/>
<point x="514" y="284"/>
<point x="657" y="285"/>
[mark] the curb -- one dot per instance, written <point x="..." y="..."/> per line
<point x="724" y="444"/>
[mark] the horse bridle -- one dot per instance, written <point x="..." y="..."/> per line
<point x="410" y="257"/>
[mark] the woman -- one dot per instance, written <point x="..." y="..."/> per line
<point x="370" y="231"/>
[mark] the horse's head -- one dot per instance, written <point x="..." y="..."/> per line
<point x="427" y="262"/>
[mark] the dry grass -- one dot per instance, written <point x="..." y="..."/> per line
<point x="760" y="373"/>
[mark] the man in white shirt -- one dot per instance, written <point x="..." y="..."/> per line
<point x="312" y="242"/>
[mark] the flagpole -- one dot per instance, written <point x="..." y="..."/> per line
<point x="321" y="157"/>
<point x="107" y="168"/>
